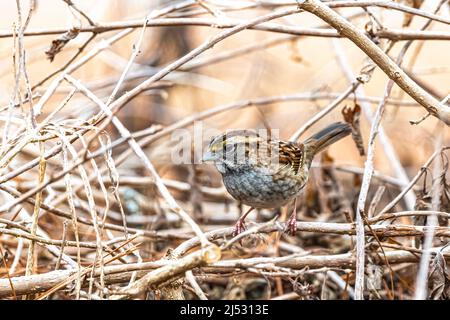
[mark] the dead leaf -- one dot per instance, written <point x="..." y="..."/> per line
<point x="302" y="288"/>
<point x="59" y="43"/>
<point x="352" y="117"/>
<point x="438" y="278"/>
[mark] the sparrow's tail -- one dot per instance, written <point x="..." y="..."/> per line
<point x="326" y="137"/>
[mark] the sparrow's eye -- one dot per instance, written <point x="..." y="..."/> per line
<point x="230" y="147"/>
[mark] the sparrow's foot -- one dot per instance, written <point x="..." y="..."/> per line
<point x="291" y="225"/>
<point x="239" y="227"/>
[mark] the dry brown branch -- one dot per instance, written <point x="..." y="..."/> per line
<point x="325" y="111"/>
<point x="204" y="256"/>
<point x="389" y="150"/>
<point x="391" y="34"/>
<point x="413" y="181"/>
<point x="390" y="68"/>
<point x="96" y="205"/>
<point x="140" y="153"/>
<point x="122" y="273"/>
<point x="432" y="221"/>
<point x="99" y="28"/>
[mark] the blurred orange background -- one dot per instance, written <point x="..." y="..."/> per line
<point x="305" y="65"/>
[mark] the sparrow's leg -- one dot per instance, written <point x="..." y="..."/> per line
<point x="240" y="224"/>
<point x="291" y="223"/>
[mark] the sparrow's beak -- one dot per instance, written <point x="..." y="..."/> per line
<point x="208" y="156"/>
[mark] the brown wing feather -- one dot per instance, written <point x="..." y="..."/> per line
<point x="291" y="154"/>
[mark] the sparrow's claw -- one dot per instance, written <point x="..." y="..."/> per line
<point x="291" y="225"/>
<point x="239" y="227"/>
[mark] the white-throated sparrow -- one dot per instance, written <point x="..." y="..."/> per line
<point x="266" y="173"/>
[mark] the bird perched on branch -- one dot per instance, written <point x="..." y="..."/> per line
<point x="262" y="172"/>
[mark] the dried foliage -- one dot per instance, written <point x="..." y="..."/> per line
<point x="439" y="278"/>
<point x="59" y="43"/>
<point x="352" y="116"/>
<point x="94" y="206"/>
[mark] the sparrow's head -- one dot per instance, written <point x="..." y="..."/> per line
<point x="232" y="149"/>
